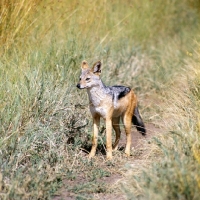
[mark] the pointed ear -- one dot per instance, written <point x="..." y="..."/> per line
<point x="84" y="65"/>
<point x="96" y="69"/>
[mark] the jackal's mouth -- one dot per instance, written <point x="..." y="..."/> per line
<point x="79" y="86"/>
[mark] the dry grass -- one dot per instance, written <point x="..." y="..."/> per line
<point x="44" y="120"/>
<point x="174" y="154"/>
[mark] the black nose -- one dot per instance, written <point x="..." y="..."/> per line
<point x="78" y="85"/>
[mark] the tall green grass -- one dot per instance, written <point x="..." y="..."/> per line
<point x="44" y="120"/>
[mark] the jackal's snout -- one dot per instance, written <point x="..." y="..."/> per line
<point x="78" y="86"/>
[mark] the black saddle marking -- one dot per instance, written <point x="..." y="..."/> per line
<point x="120" y="91"/>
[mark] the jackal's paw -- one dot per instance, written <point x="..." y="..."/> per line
<point x="91" y="155"/>
<point x="109" y="156"/>
<point x="115" y="148"/>
<point x="127" y="153"/>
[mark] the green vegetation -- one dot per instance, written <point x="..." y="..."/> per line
<point x="45" y="125"/>
<point x="174" y="173"/>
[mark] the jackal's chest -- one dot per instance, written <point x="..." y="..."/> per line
<point x="105" y="109"/>
<point x="100" y="107"/>
<point x="102" y="111"/>
<point x="100" y="103"/>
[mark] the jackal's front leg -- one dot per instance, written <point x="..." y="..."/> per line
<point x="96" y="120"/>
<point x="115" y="124"/>
<point x="109" y="138"/>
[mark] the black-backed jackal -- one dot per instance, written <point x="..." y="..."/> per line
<point x="110" y="103"/>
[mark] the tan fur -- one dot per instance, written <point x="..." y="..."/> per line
<point x="111" y="110"/>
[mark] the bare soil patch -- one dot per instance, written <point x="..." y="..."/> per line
<point x="107" y="186"/>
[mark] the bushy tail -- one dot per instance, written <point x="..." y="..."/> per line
<point x="137" y="121"/>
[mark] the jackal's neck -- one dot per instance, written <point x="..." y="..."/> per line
<point x="100" y="86"/>
<point x="97" y="93"/>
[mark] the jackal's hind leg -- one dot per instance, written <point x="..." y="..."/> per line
<point x="115" y="124"/>
<point x="127" y="125"/>
<point x="96" y="121"/>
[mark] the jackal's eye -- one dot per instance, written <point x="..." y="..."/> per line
<point x="79" y="79"/>
<point x="87" y="79"/>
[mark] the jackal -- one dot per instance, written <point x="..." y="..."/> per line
<point x="111" y="103"/>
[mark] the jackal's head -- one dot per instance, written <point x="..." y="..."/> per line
<point x="89" y="77"/>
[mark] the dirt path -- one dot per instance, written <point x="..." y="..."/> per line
<point x="118" y="172"/>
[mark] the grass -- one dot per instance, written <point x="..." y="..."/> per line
<point x="44" y="120"/>
<point x="176" y="173"/>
